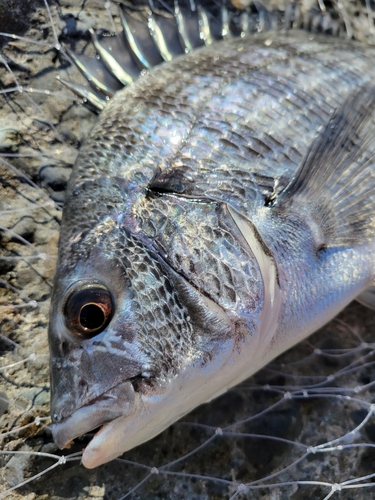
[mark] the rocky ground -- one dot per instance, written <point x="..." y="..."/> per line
<point x="318" y="392"/>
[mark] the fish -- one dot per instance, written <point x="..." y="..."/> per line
<point x="219" y="213"/>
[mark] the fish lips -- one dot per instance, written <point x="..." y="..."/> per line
<point x="117" y="402"/>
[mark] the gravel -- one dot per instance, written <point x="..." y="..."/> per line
<point x="317" y="392"/>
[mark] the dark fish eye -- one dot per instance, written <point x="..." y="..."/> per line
<point x="88" y="310"/>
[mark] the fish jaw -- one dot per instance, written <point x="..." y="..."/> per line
<point x="117" y="402"/>
<point x="198" y="382"/>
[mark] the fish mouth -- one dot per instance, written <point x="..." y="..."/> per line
<point x="117" y="402"/>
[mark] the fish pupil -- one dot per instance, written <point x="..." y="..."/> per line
<point x="91" y="317"/>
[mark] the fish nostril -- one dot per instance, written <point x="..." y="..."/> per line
<point x="82" y="387"/>
<point x="64" y="348"/>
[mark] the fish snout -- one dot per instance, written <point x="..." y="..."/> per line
<point x="118" y="401"/>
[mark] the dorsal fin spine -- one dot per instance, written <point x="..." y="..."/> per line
<point x="135" y="49"/>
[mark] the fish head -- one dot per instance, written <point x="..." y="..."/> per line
<point x="93" y="361"/>
<point x="144" y="327"/>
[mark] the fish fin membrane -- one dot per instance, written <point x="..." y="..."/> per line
<point x="335" y="184"/>
<point x="367" y="298"/>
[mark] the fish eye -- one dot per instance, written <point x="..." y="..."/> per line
<point x="88" y="310"/>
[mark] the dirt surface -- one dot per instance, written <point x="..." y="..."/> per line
<point x="302" y="428"/>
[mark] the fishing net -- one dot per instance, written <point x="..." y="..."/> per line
<point x="302" y="428"/>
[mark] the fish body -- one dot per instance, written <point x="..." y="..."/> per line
<point x="219" y="212"/>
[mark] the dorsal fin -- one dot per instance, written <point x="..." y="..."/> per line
<point x="152" y="35"/>
<point x="335" y="184"/>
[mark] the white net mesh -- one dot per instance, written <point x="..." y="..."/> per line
<point x="302" y="428"/>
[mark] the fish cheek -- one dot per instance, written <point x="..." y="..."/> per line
<point x="169" y="317"/>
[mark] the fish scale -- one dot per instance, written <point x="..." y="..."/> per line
<point x="188" y="255"/>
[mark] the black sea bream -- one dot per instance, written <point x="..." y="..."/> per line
<point x="221" y="210"/>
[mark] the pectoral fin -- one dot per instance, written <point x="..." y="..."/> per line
<point x="336" y="181"/>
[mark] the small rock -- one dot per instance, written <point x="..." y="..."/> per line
<point x="9" y="139"/>
<point x="15" y="468"/>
